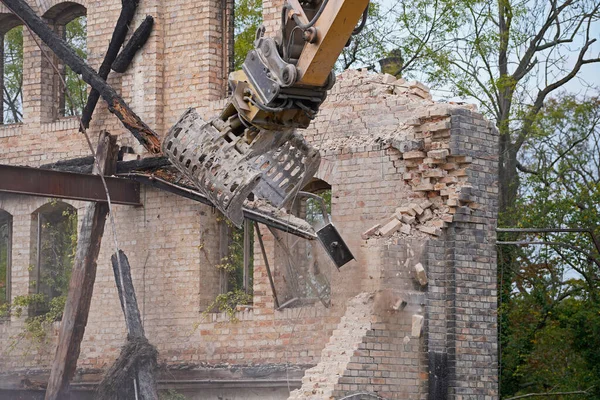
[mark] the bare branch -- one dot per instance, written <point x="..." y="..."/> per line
<point x="561" y="244"/>
<point x="582" y="392"/>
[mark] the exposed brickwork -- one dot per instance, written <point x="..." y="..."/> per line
<point x="388" y="151"/>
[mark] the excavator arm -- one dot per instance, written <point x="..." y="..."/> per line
<point x="252" y="147"/>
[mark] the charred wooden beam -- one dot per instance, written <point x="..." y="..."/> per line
<point x="146" y="365"/>
<point x="84" y="165"/>
<point x="142" y="132"/>
<point x="137" y="41"/>
<point x="124" y="167"/>
<point x="81" y="164"/>
<point x="128" y="8"/>
<point x="127" y="296"/>
<point x="83" y="275"/>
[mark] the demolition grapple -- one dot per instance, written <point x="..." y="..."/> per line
<point x="252" y="147"/>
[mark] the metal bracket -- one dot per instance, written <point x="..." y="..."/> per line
<point x="329" y="237"/>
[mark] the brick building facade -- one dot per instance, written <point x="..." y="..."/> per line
<point x="424" y="172"/>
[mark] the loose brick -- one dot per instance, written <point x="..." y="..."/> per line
<point x="370" y="232"/>
<point x="408" y="219"/>
<point x="431" y="230"/>
<point x="411" y="155"/>
<point x="418" y="210"/>
<point x="389" y="228"/>
<point x="438" y="154"/>
<point x="417" y="326"/>
<point x="420" y="274"/>
<point x="405" y="228"/>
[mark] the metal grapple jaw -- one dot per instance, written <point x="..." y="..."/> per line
<point x="227" y="160"/>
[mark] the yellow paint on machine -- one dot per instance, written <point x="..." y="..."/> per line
<point x="334" y="27"/>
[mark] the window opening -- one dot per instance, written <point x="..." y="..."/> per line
<point x="75" y="34"/>
<point x="239" y="260"/>
<point x="312" y="208"/>
<point x="5" y="257"/>
<point x="236" y="267"/>
<point x="301" y="273"/>
<point x="12" y="76"/>
<point x="56" y="245"/>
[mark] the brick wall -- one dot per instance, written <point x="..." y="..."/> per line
<point x="386" y="147"/>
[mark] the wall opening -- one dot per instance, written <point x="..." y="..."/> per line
<point x="69" y="21"/>
<point x="73" y="100"/>
<point x="237" y="263"/>
<point x="5" y="258"/>
<point x="55" y="244"/>
<point x="11" y="76"/>
<point x="302" y="268"/>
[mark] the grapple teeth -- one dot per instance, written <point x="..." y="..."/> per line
<point x="198" y="150"/>
<point x="275" y="166"/>
<point x="286" y="170"/>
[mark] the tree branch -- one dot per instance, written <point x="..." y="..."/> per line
<point x="549" y="394"/>
<point x="526" y="170"/>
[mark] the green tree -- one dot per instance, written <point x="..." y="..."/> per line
<point x="509" y="57"/>
<point x="13" y="76"/>
<point x="552" y="312"/>
<point x="247" y="18"/>
<point x="369" y="46"/>
<point x="57" y="246"/>
<point x="5" y="228"/>
<point x="76" y="90"/>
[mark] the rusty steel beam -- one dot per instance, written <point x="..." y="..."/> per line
<point x="67" y="185"/>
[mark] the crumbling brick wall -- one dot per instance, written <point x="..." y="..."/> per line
<point x="424" y="172"/>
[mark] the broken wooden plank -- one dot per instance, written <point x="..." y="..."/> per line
<point x="128" y="8"/>
<point x="142" y="132"/>
<point x="83" y="275"/>
<point x="137" y="41"/>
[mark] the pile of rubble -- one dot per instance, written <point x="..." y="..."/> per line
<point x="424" y="216"/>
